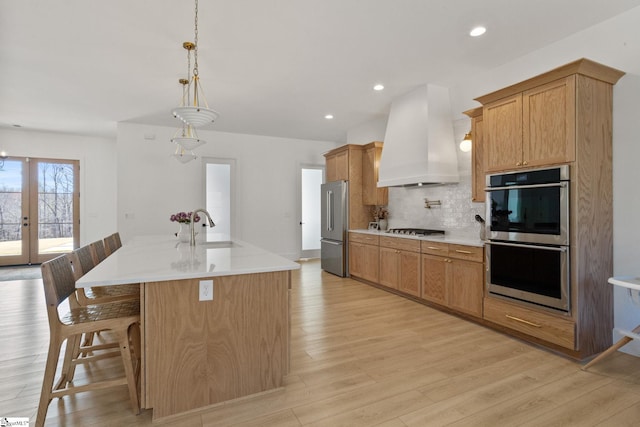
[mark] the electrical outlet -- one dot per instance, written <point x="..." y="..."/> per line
<point x="206" y="290"/>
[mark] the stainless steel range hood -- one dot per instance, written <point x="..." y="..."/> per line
<point x="419" y="146"/>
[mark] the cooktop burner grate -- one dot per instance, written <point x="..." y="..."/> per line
<point x="415" y="231"/>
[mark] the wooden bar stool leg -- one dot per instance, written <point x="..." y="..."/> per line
<point x="67" y="366"/>
<point x="47" y="383"/>
<point x="624" y="340"/>
<point x="132" y="383"/>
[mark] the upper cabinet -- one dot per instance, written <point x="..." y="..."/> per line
<point x="371" y="194"/>
<point x="533" y="123"/>
<point x="477" y="155"/>
<point x="533" y="128"/>
<point x="337" y="165"/>
<point x="345" y="163"/>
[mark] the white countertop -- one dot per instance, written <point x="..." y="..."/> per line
<point x="444" y="238"/>
<point x="160" y="258"/>
<point x="626" y="281"/>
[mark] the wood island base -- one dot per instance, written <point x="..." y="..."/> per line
<point x="199" y="353"/>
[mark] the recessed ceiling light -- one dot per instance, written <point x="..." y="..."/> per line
<point x="378" y="87"/>
<point x="477" y="31"/>
<point x="329" y="116"/>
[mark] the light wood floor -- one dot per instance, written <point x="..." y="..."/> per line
<point x="360" y="357"/>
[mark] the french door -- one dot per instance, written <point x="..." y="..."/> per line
<point x="39" y="209"/>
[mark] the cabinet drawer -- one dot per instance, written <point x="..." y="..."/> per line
<point x="400" y="243"/>
<point x="531" y="322"/>
<point x="370" y="239"/>
<point x="434" y="248"/>
<point x="469" y="253"/>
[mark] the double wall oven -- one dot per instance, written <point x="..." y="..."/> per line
<point x="527" y="231"/>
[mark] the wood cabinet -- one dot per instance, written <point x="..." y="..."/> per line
<point x="453" y="276"/>
<point x="563" y="116"/>
<point x="477" y="155"/>
<point x="337" y="165"/>
<point x="345" y="163"/>
<point x="548" y="327"/>
<point x="371" y="194"/>
<point x="400" y="264"/>
<point x="364" y="256"/>
<point x="532" y="128"/>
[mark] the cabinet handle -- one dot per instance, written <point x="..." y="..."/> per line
<point x="463" y="252"/>
<point x="433" y="248"/>
<point x="518" y="164"/>
<point x="525" y="163"/>
<point x="526" y="322"/>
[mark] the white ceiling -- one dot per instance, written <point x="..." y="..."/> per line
<point x="270" y="67"/>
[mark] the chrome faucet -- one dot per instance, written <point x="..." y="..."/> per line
<point x="192" y="240"/>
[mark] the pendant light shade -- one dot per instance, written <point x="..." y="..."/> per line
<point x="195" y="116"/>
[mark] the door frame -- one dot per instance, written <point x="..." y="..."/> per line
<point x="30" y="223"/>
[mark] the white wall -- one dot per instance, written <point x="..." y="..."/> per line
<point x="97" y="172"/>
<point x="152" y="185"/>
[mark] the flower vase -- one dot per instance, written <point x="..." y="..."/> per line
<point x="382" y="224"/>
<point x="183" y="233"/>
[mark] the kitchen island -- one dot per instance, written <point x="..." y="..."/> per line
<point x="215" y="319"/>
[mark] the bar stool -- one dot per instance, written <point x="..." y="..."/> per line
<point x="98" y="252"/>
<point x="59" y="285"/>
<point x="633" y="286"/>
<point x="83" y="261"/>
<point x="112" y="243"/>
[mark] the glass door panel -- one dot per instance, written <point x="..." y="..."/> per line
<point x="14" y="196"/>
<point x="39" y="209"/>
<point x="56" y="202"/>
<point x="311" y="180"/>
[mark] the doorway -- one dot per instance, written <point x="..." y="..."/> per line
<point x="311" y="178"/>
<point x="220" y="194"/>
<point x="39" y="209"/>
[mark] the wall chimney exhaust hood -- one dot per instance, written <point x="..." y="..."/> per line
<point x="419" y="146"/>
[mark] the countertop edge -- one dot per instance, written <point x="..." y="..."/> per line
<point x="456" y="240"/>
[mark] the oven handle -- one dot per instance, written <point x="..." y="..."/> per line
<point x="562" y="184"/>
<point x="518" y="245"/>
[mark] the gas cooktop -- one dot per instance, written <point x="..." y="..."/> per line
<point x="415" y="231"/>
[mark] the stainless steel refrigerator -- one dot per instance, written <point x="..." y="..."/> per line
<point x="334" y="223"/>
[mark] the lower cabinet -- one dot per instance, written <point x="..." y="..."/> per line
<point x="447" y="274"/>
<point x="400" y="264"/>
<point x="453" y="276"/>
<point x="364" y="256"/>
<point x="549" y="327"/>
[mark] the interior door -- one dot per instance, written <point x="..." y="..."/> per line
<point x="310" y="183"/>
<point x="39" y="209"/>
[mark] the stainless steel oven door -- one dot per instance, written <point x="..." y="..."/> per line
<point x="537" y="213"/>
<point x="534" y="274"/>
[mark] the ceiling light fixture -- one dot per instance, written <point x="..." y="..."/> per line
<point x="477" y="31"/>
<point x="329" y="116"/>
<point x="378" y="87"/>
<point x="186" y="138"/>
<point x="196" y="111"/>
<point x="465" y="144"/>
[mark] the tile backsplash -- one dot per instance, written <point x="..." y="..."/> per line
<point x="456" y="214"/>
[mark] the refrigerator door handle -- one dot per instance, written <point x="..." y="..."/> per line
<point x="329" y="242"/>
<point x="329" y="212"/>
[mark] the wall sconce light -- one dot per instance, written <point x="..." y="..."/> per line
<point x="465" y="144"/>
<point x="3" y="157"/>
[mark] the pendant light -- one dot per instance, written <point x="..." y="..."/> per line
<point x="194" y="110"/>
<point x="186" y="135"/>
